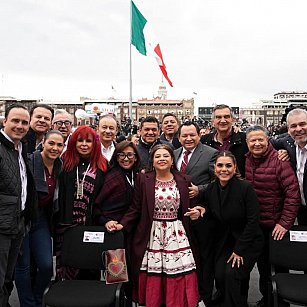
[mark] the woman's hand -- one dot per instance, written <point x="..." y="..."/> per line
<point x="195" y="212"/>
<point x="113" y="226"/>
<point x="236" y="259"/>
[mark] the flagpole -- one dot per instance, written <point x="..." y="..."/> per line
<point x="130" y="68"/>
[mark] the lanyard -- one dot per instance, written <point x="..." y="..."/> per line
<point x="80" y="185"/>
<point x="131" y="182"/>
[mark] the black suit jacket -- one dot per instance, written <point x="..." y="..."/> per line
<point x="287" y="143"/>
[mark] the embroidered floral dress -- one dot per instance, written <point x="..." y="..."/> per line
<point x="167" y="273"/>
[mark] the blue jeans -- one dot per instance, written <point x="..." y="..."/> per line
<point x="37" y="244"/>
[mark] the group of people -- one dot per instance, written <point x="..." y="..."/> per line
<point x="196" y="210"/>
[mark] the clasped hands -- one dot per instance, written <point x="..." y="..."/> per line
<point x="195" y="212"/>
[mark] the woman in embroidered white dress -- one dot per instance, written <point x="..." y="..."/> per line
<point x="163" y="266"/>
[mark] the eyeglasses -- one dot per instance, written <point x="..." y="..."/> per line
<point x="129" y="155"/>
<point x="60" y="123"/>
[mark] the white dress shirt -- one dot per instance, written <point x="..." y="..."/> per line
<point x="22" y="171"/>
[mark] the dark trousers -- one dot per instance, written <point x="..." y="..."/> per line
<point x="302" y="216"/>
<point x="233" y="282"/>
<point x="264" y="267"/>
<point x="204" y="231"/>
<point x="9" y="250"/>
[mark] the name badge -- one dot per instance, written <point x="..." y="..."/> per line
<point x="298" y="236"/>
<point x="93" y="237"/>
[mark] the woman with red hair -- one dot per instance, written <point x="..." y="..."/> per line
<point x="82" y="178"/>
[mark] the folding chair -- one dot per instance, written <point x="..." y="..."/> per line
<point x="82" y="254"/>
<point x="290" y="287"/>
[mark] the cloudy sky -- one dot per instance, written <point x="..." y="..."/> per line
<point x="233" y="52"/>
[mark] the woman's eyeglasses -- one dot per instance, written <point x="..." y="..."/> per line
<point x="129" y="155"/>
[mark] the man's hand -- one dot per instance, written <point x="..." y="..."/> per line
<point x="193" y="191"/>
<point x="283" y="155"/>
<point x="278" y="232"/>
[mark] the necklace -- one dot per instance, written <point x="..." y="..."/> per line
<point x="80" y="184"/>
<point x="165" y="179"/>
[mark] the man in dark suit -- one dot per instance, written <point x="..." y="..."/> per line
<point x="296" y="145"/>
<point x="199" y="165"/>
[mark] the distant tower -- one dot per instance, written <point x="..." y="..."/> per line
<point x="162" y="92"/>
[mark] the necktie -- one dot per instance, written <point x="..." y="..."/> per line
<point x="185" y="161"/>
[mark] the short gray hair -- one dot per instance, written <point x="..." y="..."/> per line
<point x="61" y="111"/>
<point x="257" y="128"/>
<point x="297" y="111"/>
<point x="220" y="107"/>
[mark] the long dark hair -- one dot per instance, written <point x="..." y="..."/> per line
<point x="120" y="147"/>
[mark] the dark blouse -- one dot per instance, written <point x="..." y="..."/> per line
<point x="115" y="196"/>
<point x="47" y="200"/>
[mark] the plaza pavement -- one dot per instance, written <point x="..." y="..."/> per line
<point x="253" y="297"/>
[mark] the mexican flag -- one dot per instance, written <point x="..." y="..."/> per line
<point x="144" y="41"/>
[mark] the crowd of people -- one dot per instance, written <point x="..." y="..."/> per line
<point x="196" y="205"/>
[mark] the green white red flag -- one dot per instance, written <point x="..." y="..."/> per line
<point x="144" y="41"/>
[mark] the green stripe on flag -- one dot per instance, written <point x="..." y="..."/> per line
<point x="137" y="25"/>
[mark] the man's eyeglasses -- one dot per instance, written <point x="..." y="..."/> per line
<point x="60" y="123"/>
<point x="129" y="155"/>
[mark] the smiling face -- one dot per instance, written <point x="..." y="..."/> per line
<point x="16" y="125"/>
<point x="224" y="169"/>
<point x="41" y="120"/>
<point x="53" y="146"/>
<point x="189" y="138"/>
<point x="84" y="146"/>
<point x="162" y="160"/>
<point x="149" y="132"/>
<point x="107" y="130"/>
<point x="169" y="125"/>
<point x="126" y="158"/>
<point x="223" y="120"/>
<point x="297" y="128"/>
<point x="63" y="123"/>
<point x="257" y="143"/>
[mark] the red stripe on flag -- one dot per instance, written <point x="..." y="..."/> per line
<point x="162" y="67"/>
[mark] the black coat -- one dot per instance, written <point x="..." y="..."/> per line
<point x="237" y="217"/>
<point x="67" y="183"/>
<point x="238" y="147"/>
<point x="10" y="189"/>
<point x="175" y="141"/>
